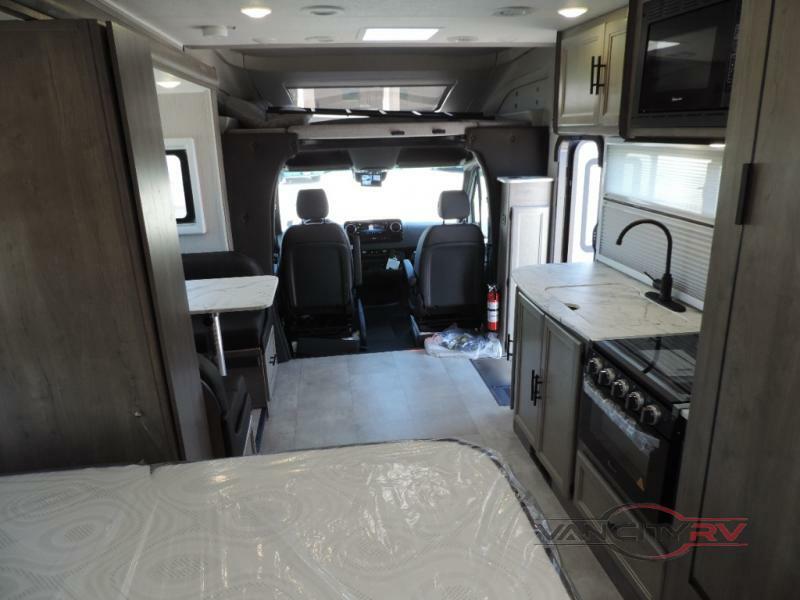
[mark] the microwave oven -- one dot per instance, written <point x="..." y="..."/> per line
<point x="684" y="63"/>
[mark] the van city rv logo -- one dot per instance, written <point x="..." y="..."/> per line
<point x="630" y="529"/>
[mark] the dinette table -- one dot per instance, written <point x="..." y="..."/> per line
<point x="214" y="297"/>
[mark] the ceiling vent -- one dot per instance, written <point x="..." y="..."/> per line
<point x="322" y="10"/>
<point x="513" y="11"/>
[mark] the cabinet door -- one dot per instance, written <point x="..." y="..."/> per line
<point x="577" y="105"/>
<point x="611" y="74"/>
<point x="562" y="376"/>
<point x="529" y="333"/>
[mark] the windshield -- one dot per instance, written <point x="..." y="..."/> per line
<point x="410" y="195"/>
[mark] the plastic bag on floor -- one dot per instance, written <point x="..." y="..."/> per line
<point x="463" y="343"/>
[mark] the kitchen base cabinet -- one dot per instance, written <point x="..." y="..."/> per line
<point x="547" y="367"/>
<point x="595" y="499"/>
<point x="562" y="375"/>
<point x="529" y="338"/>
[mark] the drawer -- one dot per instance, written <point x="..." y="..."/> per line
<point x="594" y="498"/>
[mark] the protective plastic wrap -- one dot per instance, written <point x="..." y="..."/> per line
<point x="643" y="441"/>
<point x="463" y="343"/>
<point x="426" y="519"/>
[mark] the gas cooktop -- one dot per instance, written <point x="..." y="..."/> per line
<point x="666" y="362"/>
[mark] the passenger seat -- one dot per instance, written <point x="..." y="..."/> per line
<point x="447" y="277"/>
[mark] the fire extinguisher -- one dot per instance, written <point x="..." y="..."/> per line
<point x="492" y="308"/>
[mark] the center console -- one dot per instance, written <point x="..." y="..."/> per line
<point x="380" y="230"/>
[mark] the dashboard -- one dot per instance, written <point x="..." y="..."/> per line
<point x="371" y="232"/>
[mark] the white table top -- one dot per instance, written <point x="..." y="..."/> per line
<point x="231" y="294"/>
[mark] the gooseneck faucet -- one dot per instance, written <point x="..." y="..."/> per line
<point x="663" y="285"/>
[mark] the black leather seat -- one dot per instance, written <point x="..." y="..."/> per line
<point x="447" y="277"/>
<point x="229" y="407"/>
<point x="317" y="274"/>
<point x="240" y="330"/>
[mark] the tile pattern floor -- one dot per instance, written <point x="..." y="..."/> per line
<point x="340" y="400"/>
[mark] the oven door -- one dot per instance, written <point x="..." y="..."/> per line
<point x="632" y="458"/>
<point x="688" y="59"/>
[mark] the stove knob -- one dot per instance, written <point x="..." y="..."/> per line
<point x="606" y="376"/>
<point x="620" y="388"/>
<point x="594" y="366"/>
<point x="634" y="401"/>
<point x="651" y="414"/>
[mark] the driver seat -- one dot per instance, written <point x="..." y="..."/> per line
<point x="317" y="282"/>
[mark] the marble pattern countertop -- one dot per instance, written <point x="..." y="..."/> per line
<point x="606" y="303"/>
<point x="231" y="294"/>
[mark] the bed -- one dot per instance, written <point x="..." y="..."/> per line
<point x="422" y="519"/>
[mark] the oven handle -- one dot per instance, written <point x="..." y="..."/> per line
<point x="629" y="427"/>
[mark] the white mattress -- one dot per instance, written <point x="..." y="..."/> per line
<point x="427" y="520"/>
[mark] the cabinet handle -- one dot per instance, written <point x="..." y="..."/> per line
<point x="535" y="383"/>
<point x="595" y="83"/>
<point x="273" y="360"/>
<point x="508" y="346"/>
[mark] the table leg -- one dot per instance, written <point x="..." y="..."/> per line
<point x="223" y="370"/>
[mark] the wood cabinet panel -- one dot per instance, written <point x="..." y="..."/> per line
<point x="577" y="105"/>
<point x="562" y="375"/>
<point x="612" y="76"/>
<point x="529" y="344"/>
<point x="76" y="362"/>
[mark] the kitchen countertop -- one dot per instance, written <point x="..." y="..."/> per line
<point x="607" y="303"/>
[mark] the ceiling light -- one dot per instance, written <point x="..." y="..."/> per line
<point x="322" y="10"/>
<point x="399" y="34"/>
<point x="513" y="11"/>
<point x="572" y="13"/>
<point x="256" y="12"/>
<point x="168" y="83"/>
<point x="462" y="38"/>
<point x="717" y="145"/>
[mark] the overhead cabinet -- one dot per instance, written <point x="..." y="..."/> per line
<point x="547" y="365"/>
<point x="591" y="61"/>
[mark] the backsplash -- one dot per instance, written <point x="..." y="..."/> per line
<point x="645" y="247"/>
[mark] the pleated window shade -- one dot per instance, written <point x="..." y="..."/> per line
<point x="673" y="178"/>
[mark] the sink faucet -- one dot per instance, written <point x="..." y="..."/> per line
<point x="663" y="285"/>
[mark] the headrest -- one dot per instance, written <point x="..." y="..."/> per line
<point x="312" y="205"/>
<point x="453" y="204"/>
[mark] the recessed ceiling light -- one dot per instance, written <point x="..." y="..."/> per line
<point x="513" y="11"/>
<point x="256" y="12"/>
<point x="717" y="145"/>
<point x="168" y="83"/>
<point x="399" y="34"/>
<point x="321" y="39"/>
<point x="322" y="10"/>
<point x="572" y="13"/>
<point x="462" y="38"/>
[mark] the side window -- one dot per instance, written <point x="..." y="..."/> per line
<point x="180" y="186"/>
<point x="480" y="204"/>
<point x="585" y="203"/>
<point x="184" y="186"/>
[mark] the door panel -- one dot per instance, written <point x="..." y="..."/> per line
<point x="528" y="358"/>
<point x="576" y="106"/>
<point x="561" y="388"/>
<point x="752" y="470"/>
<point x="614" y="59"/>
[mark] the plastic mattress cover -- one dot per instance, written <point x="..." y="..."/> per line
<point x="421" y="519"/>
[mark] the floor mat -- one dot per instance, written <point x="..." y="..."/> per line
<point x="496" y="374"/>
<point x="388" y="328"/>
